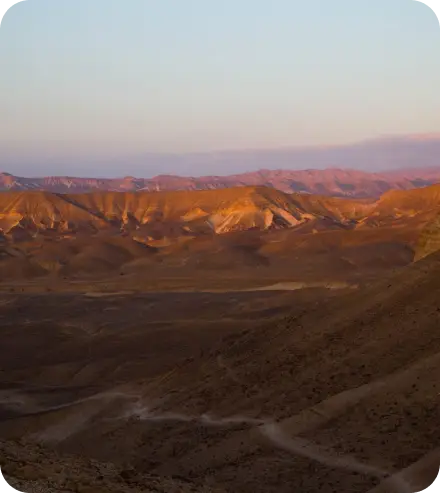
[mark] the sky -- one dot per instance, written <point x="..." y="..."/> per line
<point x="101" y="83"/>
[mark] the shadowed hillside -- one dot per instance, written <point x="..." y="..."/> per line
<point x="308" y="390"/>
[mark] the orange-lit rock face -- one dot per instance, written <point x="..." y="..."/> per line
<point x="228" y="228"/>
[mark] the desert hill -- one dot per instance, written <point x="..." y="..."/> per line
<point x="411" y="201"/>
<point x="182" y="233"/>
<point x="329" y="182"/>
<point x="221" y="211"/>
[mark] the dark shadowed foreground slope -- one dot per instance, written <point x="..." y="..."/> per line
<point x="32" y="469"/>
<point x="265" y="393"/>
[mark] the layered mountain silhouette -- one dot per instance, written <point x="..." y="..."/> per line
<point x="332" y="182"/>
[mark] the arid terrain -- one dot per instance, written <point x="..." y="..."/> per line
<point x="237" y="340"/>
<point x="219" y="247"/>
<point x="255" y="235"/>
<point x="329" y="182"/>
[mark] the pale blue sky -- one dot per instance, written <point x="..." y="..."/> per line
<point x="86" y="80"/>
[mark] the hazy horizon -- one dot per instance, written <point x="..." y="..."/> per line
<point x="112" y="84"/>
<point x="384" y="154"/>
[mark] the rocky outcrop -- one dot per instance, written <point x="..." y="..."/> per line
<point x="159" y="218"/>
<point x="429" y="241"/>
<point x="155" y="215"/>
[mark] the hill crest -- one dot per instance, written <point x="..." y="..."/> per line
<point x="329" y="182"/>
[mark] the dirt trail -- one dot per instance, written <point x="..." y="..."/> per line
<point x="295" y="286"/>
<point x="336" y="405"/>
<point x="282" y="435"/>
<point x="19" y="405"/>
<point x="304" y="448"/>
<point x="426" y="469"/>
<point x="135" y="408"/>
<point x="277" y="436"/>
<point x="26" y="406"/>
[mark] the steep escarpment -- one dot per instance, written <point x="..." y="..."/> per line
<point x="219" y="211"/>
<point x="191" y="212"/>
<point x="31" y="212"/>
<point x="98" y="233"/>
<point x="235" y="228"/>
<point x="429" y="241"/>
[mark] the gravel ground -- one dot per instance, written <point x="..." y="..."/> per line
<point x="31" y="469"/>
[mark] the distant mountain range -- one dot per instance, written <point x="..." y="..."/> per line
<point x="374" y="155"/>
<point x="329" y="182"/>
